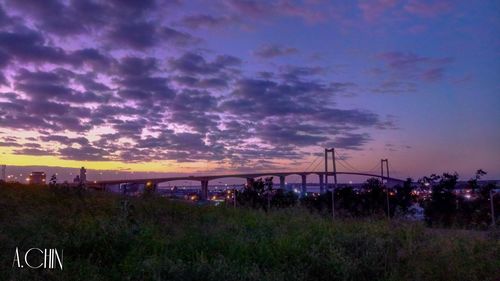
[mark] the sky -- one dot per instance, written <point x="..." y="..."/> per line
<point x="234" y="86"/>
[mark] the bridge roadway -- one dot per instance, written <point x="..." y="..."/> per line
<point x="249" y="177"/>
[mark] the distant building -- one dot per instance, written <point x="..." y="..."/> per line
<point x="36" y="178"/>
<point x="83" y="175"/>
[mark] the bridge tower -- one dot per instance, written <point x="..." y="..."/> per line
<point x="332" y="150"/>
<point x="382" y="161"/>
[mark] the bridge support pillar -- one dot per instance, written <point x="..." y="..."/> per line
<point x="282" y="182"/>
<point x="304" y="184"/>
<point x="204" y="190"/>
<point x="321" y="184"/>
<point x="250" y="181"/>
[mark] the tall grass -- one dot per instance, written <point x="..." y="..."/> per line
<point x="156" y="239"/>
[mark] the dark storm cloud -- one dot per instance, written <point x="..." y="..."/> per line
<point x="43" y="11"/>
<point x="65" y="140"/>
<point x="34" y="151"/>
<point x="129" y="128"/>
<point x="88" y="81"/>
<point x="176" y="37"/>
<point x="256" y="152"/>
<point x="349" y="141"/>
<point x="260" y="98"/>
<point x="26" y="122"/>
<point x="295" y="73"/>
<point x="83" y="153"/>
<point x="142" y="35"/>
<point x="92" y="57"/>
<point x="30" y="46"/>
<point x="9" y="144"/>
<point x="182" y="147"/>
<point x="415" y="67"/>
<point x="195" y="64"/>
<point x="272" y="51"/>
<point x="257" y="9"/>
<point x="279" y="133"/>
<point x="137" y="6"/>
<point x="204" y="21"/>
<point x="293" y="113"/>
<point x="136" y="66"/>
<point x="67" y="18"/>
<point x="4" y="18"/>
<point x="146" y="90"/>
<point x="54" y="85"/>
<point x="106" y="112"/>
<point x="193" y="82"/>
<point x="195" y="109"/>
<point x="41" y="114"/>
<point x="137" y="35"/>
<point x="137" y="81"/>
<point x="395" y="87"/>
<point x="4" y="59"/>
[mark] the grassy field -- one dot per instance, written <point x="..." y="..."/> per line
<point x="156" y="239"/>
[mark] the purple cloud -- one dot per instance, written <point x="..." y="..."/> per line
<point x="272" y="51"/>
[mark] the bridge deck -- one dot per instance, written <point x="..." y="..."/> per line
<point x="250" y="175"/>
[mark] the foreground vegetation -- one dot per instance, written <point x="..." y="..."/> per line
<point x="108" y="237"/>
<point x="438" y="199"/>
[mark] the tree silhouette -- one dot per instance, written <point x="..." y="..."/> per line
<point x="53" y="180"/>
<point x="404" y="198"/>
<point x="442" y="207"/>
<point x="261" y="194"/>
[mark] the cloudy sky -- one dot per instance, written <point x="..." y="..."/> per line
<point x="221" y="86"/>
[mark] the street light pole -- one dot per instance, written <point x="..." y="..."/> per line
<point x="387" y="181"/>
<point x="334" y="183"/>
<point x="234" y="198"/>
<point x="493" y="223"/>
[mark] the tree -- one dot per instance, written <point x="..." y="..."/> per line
<point x="374" y="197"/>
<point x="53" y="180"/>
<point x="252" y="195"/>
<point x="442" y="206"/>
<point x="473" y="182"/>
<point x="404" y="197"/>
<point x="261" y="194"/>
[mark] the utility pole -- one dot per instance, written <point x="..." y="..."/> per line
<point x="326" y="168"/>
<point x="335" y="183"/>
<point x="493" y="222"/>
<point x="234" y="198"/>
<point x="382" y="179"/>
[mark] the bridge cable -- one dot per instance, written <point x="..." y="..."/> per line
<point x="340" y="163"/>
<point x="316" y="166"/>
<point x="310" y="164"/>
<point x="349" y="166"/>
<point x="342" y="158"/>
<point x="375" y="168"/>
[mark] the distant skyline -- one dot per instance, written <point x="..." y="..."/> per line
<point x="228" y="86"/>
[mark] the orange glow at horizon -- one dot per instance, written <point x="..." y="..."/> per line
<point x="8" y="158"/>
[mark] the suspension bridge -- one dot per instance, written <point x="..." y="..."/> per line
<point x="311" y="169"/>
